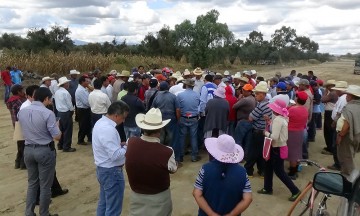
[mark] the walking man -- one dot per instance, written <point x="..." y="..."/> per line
<point x="39" y="128"/>
<point x="65" y="111"/>
<point x="6" y="77"/>
<point x="109" y="155"/>
<point x="150" y="188"/>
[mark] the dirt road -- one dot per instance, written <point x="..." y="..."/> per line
<point x="76" y="171"/>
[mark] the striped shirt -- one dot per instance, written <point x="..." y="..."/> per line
<point x="258" y="113"/>
<point x="82" y="97"/>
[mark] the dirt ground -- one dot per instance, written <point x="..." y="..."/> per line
<point x="76" y="171"/>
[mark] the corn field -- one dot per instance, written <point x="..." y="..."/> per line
<point x="48" y="62"/>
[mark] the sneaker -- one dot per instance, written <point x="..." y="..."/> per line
<point x="326" y="152"/>
<point x="263" y="191"/>
<point x="294" y="196"/>
<point x="334" y="167"/>
<point x="69" y="150"/>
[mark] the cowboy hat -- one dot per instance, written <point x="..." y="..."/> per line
<point x="340" y="86"/>
<point x="186" y="72"/>
<point x="189" y="82"/>
<point x="152" y="120"/>
<point x="246" y="72"/>
<point x="179" y="79"/>
<point x="113" y="72"/>
<point x="220" y="92"/>
<point x="123" y="73"/>
<point x="46" y="78"/>
<point x="279" y="106"/>
<point x="330" y="82"/>
<point x="261" y="87"/>
<point x="198" y="72"/>
<point x="224" y="149"/>
<point x="253" y="72"/>
<point x="244" y="79"/>
<point x="226" y="73"/>
<point x="62" y="81"/>
<point x="353" y="90"/>
<point x="237" y="76"/>
<point x="74" y="72"/>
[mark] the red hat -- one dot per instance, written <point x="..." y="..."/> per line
<point x="302" y="95"/>
<point x="160" y="77"/>
<point x="320" y="82"/>
<point x="110" y="78"/>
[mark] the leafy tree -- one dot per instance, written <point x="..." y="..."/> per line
<point x="60" y="40"/>
<point x="37" y="40"/>
<point x="11" y="41"/>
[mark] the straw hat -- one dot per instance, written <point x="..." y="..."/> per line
<point x="340" y="86"/>
<point x="46" y="78"/>
<point x="74" y="72"/>
<point x="123" y="73"/>
<point x="224" y="149"/>
<point x="246" y="72"/>
<point x="186" y="72"/>
<point x="261" y="87"/>
<point x="237" y="76"/>
<point x="62" y="81"/>
<point x="198" y="71"/>
<point x="179" y="79"/>
<point x="353" y="90"/>
<point x="113" y="72"/>
<point x="244" y="79"/>
<point x="226" y="73"/>
<point x="152" y="120"/>
<point x="253" y="72"/>
<point x="330" y="82"/>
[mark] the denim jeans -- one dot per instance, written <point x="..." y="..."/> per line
<point x="132" y="132"/>
<point x="40" y="163"/>
<point x="243" y="134"/>
<point x="7" y="92"/>
<point x="191" y="125"/>
<point x="167" y="133"/>
<point x="112" y="186"/>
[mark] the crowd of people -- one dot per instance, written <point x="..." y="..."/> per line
<point x="149" y="121"/>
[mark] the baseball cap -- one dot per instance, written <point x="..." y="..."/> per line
<point x="164" y="86"/>
<point x="281" y="85"/>
<point x="248" y="87"/>
<point x="302" y="95"/>
<point x="153" y="82"/>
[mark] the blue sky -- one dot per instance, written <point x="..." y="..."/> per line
<point x="332" y="24"/>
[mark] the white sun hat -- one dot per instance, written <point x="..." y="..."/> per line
<point x="63" y="80"/>
<point x="152" y="120"/>
<point x="74" y="72"/>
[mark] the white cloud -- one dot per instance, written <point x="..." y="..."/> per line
<point x="332" y="24"/>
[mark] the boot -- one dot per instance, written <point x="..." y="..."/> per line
<point x="17" y="164"/>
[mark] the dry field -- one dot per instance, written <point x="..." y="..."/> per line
<point x="76" y="171"/>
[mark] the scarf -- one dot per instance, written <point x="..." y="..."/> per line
<point x="351" y="113"/>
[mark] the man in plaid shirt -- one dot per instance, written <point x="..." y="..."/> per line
<point x="14" y="104"/>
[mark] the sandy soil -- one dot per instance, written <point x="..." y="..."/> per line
<point x="76" y="171"/>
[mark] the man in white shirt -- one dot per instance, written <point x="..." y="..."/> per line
<point x="46" y="82"/>
<point x="109" y="155"/>
<point x="84" y="112"/>
<point x="99" y="102"/>
<point x="109" y="88"/>
<point x="199" y="82"/>
<point x="105" y="84"/>
<point x="65" y="111"/>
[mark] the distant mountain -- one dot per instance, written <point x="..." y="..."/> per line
<point x="80" y="42"/>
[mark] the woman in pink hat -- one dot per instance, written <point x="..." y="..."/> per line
<point x="279" y="135"/>
<point x="232" y="194"/>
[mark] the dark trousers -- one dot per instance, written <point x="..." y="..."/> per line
<point x="318" y="121"/>
<point x="94" y="118"/>
<point x="328" y="131"/>
<point x="54" y="107"/>
<point x="243" y="136"/>
<point x="66" y="128"/>
<point x="255" y="153"/>
<point x="276" y="165"/>
<point x="334" y="151"/>
<point x="121" y="131"/>
<point x="84" y="117"/>
<point x="312" y="126"/>
<point x="305" y="145"/>
<point x="19" y="161"/>
<point x="200" y="133"/>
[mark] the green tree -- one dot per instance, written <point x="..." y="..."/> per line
<point x="11" y="41"/>
<point x="60" y="40"/>
<point x="37" y="40"/>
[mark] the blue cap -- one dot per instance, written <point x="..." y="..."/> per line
<point x="164" y="86"/>
<point x="281" y="85"/>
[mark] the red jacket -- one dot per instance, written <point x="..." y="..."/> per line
<point x="6" y="77"/>
<point x="232" y="100"/>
